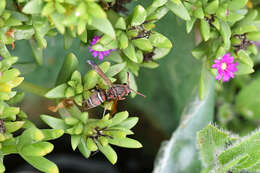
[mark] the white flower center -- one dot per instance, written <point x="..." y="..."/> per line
<point x="223" y="66"/>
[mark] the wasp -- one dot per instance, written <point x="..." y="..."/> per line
<point x="114" y="93"/>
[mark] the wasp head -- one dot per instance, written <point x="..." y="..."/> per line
<point x="127" y="88"/>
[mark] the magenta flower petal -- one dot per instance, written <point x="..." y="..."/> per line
<point x="218" y="77"/>
<point x="214" y="65"/>
<point x="228" y="59"/>
<point x="217" y="61"/>
<point x="257" y="43"/>
<point x="95" y="53"/>
<point x="227" y="55"/>
<point x="100" y="57"/>
<point x="225" y="67"/>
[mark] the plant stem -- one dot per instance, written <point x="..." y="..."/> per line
<point x="34" y="89"/>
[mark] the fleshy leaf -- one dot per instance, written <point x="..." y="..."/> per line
<point x="83" y="148"/>
<point x="57" y="92"/>
<point x="139" y="16"/>
<point x="103" y="25"/>
<point x="70" y="64"/>
<point x="55" y="123"/>
<point x="179" y="10"/>
<point x="75" y="140"/>
<point x="33" y="7"/>
<point x="125" y="142"/>
<point x="108" y="152"/>
<point x="129" y="122"/>
<point x="41" y="163"/>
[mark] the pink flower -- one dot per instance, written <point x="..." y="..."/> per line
<point x="257" y="43"/>
<point x="95" y="53"/>
<point x="226" y="67"/>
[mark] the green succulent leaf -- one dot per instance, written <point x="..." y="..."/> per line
<point x="225" y="33"/>
<point x="118" y="118"/>
<point x="57" y="92"/>
<point x="120" y="24"/>
<point x="237" y="4"/>
<point x="91" y="144"/>
<point x="129" y="122"/>
<point x="83" y="148"/>
<point x="33" y="7"/>
<point x="41" y="163"/>
<point x="212" y="7"/>
<point x="138" y="16"/>
<point x="178" y="9"/>
<point x="125" y="142"/>
<point x="70" y="64"/>
<point x="115" y="69"/>
<point x="37" y="52"/>
<point x="108" y="152"/>
<point x="50" y="134"/>
<point x="55" y="123"/>
<point x="130" y="52"/>
<point x="244" y="57"/>
<point x="243" y="69"/>
<point x="205" y="29"/>
<point x="75" y="140"/>
<point x="160" y="41"/>
<point x="143" y="44"/>
<point x="2" y="6"/>
<point x="123" y="41"/>
<point x="13" y="126"/>
<point x="37" y="149"/>
<point x="103" y="25"/>
<point x="23" y="32"/>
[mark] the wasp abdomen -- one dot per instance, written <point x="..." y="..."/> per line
<point x="96" y="99"/>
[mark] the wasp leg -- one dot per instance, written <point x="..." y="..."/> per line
<point x="94" y="153"/>
<point x="121" y="98"/>
<point x="104" y="112"/>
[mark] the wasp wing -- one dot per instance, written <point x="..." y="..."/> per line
<point x="100" y="72"/>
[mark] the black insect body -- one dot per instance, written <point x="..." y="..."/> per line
<point x="115" y="92"/>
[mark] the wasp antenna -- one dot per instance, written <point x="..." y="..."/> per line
<point x="91" y="63"/>
<point x="128" y="81"/>
<point x="138" y="93"/>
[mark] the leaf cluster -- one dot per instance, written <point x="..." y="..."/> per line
<point x="222" y="152"/>
<point x="92" y="135"/>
